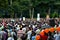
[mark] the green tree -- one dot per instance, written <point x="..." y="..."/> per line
<point x="19" y="6"/>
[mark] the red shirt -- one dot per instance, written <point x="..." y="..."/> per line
<point x="44" y="37"/>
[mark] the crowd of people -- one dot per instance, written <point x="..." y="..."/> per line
<point x="30" y="30"/>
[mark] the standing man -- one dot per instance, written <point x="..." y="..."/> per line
<point x="57" y="36"/>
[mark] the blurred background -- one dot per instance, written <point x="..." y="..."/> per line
<point x="29" y="8"/>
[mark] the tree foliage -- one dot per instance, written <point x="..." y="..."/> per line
<point x="29" y="7"/>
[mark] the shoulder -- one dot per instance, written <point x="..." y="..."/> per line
<point x="55" y="35"/>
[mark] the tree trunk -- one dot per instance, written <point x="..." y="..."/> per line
<point x="49" y="11"/>
<point x="21" y="13"/>
<point x="32" y="13"/>
<point x="48" y="14"/>
<point x="12" y="15"/>
<point x="10" y="2"/>
<point x="30" y="10"/>
<point x="15" y="15"/>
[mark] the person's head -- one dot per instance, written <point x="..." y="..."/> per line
<point x="43" y="28"/>
<point x="20" y="28"/>
<point x="38" y="27"/>
<point x="2" y="29"/>
<point x="49" y="33"/>
<point x="13" y="30"/>
<point x="30" y="28"/>
<point x="46" y="34"/>
<point x="56" y="32"/>
<point x="33" y="33"/>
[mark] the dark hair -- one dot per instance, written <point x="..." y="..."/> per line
<point x="49" y="33"/>
<point x="20" y="28"/>
<point x="3" y="29"/>
<point x="33" y="33"/>
<point x="45" y="33"/>
<point x="30" y="28"/>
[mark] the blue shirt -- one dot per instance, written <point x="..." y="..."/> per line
<point x="33" y="37"/>
<point x="57" y="36"/>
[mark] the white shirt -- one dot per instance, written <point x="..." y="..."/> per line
<point x="59" y="25"/>
<point x="29" y="34"/>
<point x="24" y="29"/>
<point x="18" y="28"/>
<point x="1" y="34"/>
<point x="37" y="31"/>
<point x="33" y="26"/>
<point x="57" y="36"/>
<point x="10" y="38"/>
<point x="1" y="28"/>
<point x="13" y="33"/>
